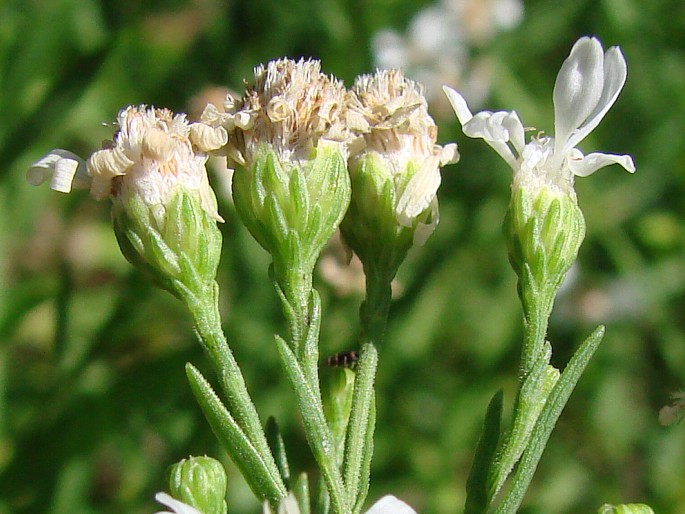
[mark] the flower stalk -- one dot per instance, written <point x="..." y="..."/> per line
<point x="545" y="227"/>
<point x="288" y="136"/>
<point x="395" y="170"/>
<point x="165" y="219"/>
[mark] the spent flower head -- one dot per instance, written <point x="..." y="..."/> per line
<point x="587" y="85"/>
<point x="164" y="210"/>
<point x="394" y="164"/>
<point x="292" y="107"/>
<point x="289" y="136"/>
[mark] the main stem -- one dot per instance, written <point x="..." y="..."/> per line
<point x="535" y="321"/>
<point x="301" y="309"/>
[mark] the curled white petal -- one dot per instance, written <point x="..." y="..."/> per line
<point x="615" y="73"/>
<point x="578" y="88"/>
<point x="449" y="154"/>
<point x="208" y="138"/>
<point x="64" y="169"/>
<point x="390" y="505"/>
<point x="497" y="129"/>
<point x="108" y="163"/>
<point x="587" y="165"/>
<point x="177" y="507"/>
<point x="63" y="176"/>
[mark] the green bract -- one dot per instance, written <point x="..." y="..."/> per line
<point x="544" y="230"/>
<point x="293" y="208"/>
<point x="181" y="253"/>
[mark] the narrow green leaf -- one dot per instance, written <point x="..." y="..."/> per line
<point x="317" y="431"/>
<point x="275" y="439"/>
<point x="359" y="424"/>
<point x="531" y="399"/>
<point x="365" y="469"/>
<point x="301" y="491"/>
<point x="477" y="490"/>
<point x="235" y="442"/>
<point x="547" y="420"/>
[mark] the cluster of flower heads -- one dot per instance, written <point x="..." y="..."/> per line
<point x="291" y="108"/>
<point x="295" y="111"/>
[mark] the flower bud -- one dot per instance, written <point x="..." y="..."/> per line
<point x="394" y="166"/>
<point x="201" y="483"/>
<point x="630" y="508"/>
<point x="289" y="137"/>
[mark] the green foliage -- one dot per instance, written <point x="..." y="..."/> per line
<point x="94" y="404"/>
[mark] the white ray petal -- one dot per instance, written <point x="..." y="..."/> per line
<point x="615" y="73"/>
<point x="176" y="506"/>
<point x="590" y="163"/>
<point x="578" y="88"/>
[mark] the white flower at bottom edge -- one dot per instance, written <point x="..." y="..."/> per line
<point x="389" y="504"/>
<point x="177" y="507"/>
<point x="586" y="87"/>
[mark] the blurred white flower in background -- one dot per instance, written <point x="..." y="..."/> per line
<point x="439" y="44"/>
<point x="675" y="412"/>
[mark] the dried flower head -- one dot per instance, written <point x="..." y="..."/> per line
<point x="152" y="153"/>
<point x="289" y="137"/>
<point x="163" y="209"/>
<point x="675" y="412"/>
<point x="390" y="114"/>
<point x="291" y="106"/>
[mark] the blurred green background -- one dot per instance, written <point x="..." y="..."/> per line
<point x="93" y="400"/>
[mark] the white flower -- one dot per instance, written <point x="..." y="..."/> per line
<point x="177" y="507"/>
<point x="586" y="87"/>
<point x="386" y="505"/>
<point x="390" y="505"/>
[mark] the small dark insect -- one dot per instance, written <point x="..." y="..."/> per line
<point x="346" y="359"/>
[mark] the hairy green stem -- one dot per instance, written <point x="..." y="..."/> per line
<point x="299" y="357"/>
